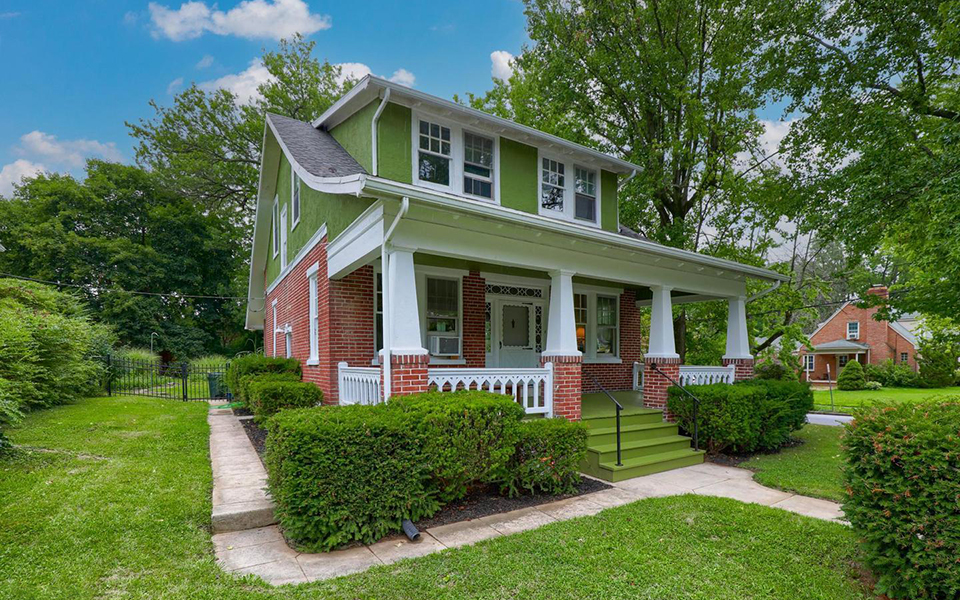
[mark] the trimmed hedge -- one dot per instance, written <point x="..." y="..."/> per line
<point x="467" y="436"/>
<point x="340" y="474"/>
<point x="852" y="377"/>
<point x="891" y="374"/>
<point x="268" y="397"/>
<point x="748" y="416"/>
<point x="258" y="363"/>
<point x="902" y="465"/>
<point x="546" y="459"/>
<point x="242" y="391"/>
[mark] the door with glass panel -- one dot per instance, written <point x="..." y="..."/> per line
<point x="515" y="334"/>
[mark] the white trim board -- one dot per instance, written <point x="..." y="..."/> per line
<point x="302" y="254"/>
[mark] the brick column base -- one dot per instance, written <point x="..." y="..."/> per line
<point x="566" y="385"/>
<point x="655" y="385"/>
<point x="408" y="373"/>
<point x="742" y="367"/>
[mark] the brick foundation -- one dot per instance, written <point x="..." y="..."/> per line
<point x="743" y="367"/>
<point x="655" y="385"/>
<point x="408" y="373"/>
<point x="566" y="385"/>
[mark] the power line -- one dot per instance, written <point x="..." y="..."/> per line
<point x="95" y="290"/>
<point x="823" y="304"/>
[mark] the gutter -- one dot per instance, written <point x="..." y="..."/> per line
<point x="387" y="285"/>
<point x="373" y="129"/>
<point x="763" y="293"/>
<point x="624" y="183"/>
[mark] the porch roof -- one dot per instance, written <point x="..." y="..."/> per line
<point x="841" y="347"/>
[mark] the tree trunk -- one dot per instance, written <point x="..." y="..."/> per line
<point x="680" y="335"/>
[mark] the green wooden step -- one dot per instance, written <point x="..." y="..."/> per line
<point x="635" y="417"/>
<point x="644" y="431"/>
<point x="638" y="448"/>
<point x="647" y="465"/>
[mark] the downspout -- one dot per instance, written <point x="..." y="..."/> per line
<point x="763" y="293"/>
<point x="387" y="284"/>
<point x="373" y="129"/>
<point x="627" y="180"/>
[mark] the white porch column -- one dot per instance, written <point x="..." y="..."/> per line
<point x="738" y="344"/>
<point x="662" y="344"/>
<point x="561" y="324"/>
<point x="404" y="318"/>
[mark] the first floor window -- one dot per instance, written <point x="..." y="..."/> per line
<point x="551" y="185"/>
<point x="904" y="357"/>
<point x="585" y="186"/>
<point x="606" y="325"/>
<point x="443" y="316"/>
<point x="808" y="362"/>
<point x="433" y="164"/>
<point x="378" y="313"/>
<point x="842" y="361"/>
<point x="853" y="330"/>
<point x="477" y="165"/>
<point x="314" y="320"/>
<point x="580" y="311"/>
<point x="288" y="339"/>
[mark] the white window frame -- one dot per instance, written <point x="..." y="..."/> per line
<point x="590" y="345"/>
<point x="569" y="189"/>
<point x="377" y="273"/>
<point x="846" y="360"/>
<point x="314" y="323"/>
<point x="456" y="156"/>
<point x="276" y="226"/>
<point x="596" y="194"/>
<point x="288" y="341"/>
<point x="295" y="206"/>
<point x="423" y="273"/>
<point x="904" y="358"/>
<point x="809" y="361"/>
<point x="853" y="335"/>
<point x="276" y="330"/>
<point x="283" y="238"/>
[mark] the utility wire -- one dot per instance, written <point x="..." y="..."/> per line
<point x="823" y="304"/>
<point x="96" y="290"/>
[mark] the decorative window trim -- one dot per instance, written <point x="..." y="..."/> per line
<point x="276" y="226"/>
<point x="569" y="190"/>
<point x="853" y="335"/>
<point x="295" y="205"/>
<point x="591" y="356"/>
<point x="456" y="156"/>
<point x="314" y="322"/>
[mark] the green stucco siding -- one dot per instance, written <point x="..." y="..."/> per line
<point x="518" y="176"/>
<point x="338" y="211"/>
<point x="393" y="144"/>
<point x="609" y="214"/>
<point x="354" y="135"/>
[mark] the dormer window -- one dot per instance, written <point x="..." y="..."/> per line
<point x="435" y="153"/>
<point x="477" y="165"/>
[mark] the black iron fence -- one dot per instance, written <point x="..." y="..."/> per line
<point x="174" y="380"/>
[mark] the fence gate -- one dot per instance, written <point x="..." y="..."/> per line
<point x="174" y="380"/>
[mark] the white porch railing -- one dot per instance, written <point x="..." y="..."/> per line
<point x="358" y="385"/>
<point x="532" y="388"/>
<point x="694" y="375"/>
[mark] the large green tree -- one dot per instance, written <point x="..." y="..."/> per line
<point x="206" y="146"/>
<point x="126" y="241"/>
<point x="876" y="148"/>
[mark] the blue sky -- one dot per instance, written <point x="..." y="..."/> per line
<point x="76" y="71"/>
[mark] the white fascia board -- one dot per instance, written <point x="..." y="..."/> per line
<point x="379" y="187"/>
<point x="358" y="244"/>
<point x="341" y="110"/>
<point x="686" y="299"/>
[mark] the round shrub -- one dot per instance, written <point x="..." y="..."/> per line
<point x="873" y="385"/>
<point x="852" y="377"/>
<point x="467" y="435"/>
<point x="258" y="363"/>
<point x="769" y="369"/>
<point x="902" y="465"/>
<point x="340" y="474"/>
<point x="546" y="459"/>
<point x="268" y="397"/>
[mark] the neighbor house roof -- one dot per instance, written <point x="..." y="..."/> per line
<point x="313" y="149"/>
<point x="841" y="346"/>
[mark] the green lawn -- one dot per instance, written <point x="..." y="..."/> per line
<point x="113" y="501"/>
<point x="811" y="469"/>
<point x="843" y="401"/>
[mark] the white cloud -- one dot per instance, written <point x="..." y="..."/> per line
<point x="251" y="19"/>
<point x="8" y="15"/>
<point x="501" y="64"/>
<point x="72" y="153"/>
<point x="244" y="84"/>
<point x="358" y="71"/>
<point x="205" y="62"/>
<point x="12" y="173"/>
<point x="174" y="85"/>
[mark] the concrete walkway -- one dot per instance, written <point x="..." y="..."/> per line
<point x="832" y="420"/>
<point x="240" y="499"/>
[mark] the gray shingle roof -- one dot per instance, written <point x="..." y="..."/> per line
<point x="841" y="345"/>
<point x="316" y="150"/>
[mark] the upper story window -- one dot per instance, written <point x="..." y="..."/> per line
<point x="294" y="197"/>
<point x="853" y="330"/>
<point x="904" y="357"/>
<point x="477" y="165"/>
<point x="433" y="164"/>
<point x="569" y="191"/>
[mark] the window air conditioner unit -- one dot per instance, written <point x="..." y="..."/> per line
<point x="444" y="346"/>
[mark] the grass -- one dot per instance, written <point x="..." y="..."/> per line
<point x="844" y="400"/>
<point x="112" y="500"/>
<point x="811" y="469"/>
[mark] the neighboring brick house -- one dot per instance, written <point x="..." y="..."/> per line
<point x="403" y="242"/>
<point x="852" y="333"/>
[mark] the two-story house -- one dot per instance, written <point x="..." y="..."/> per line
<point x="852" y="333"/>
<point x="404" y="243"/>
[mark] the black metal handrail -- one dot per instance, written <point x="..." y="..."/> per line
<point x="696" y="403"/>
<point x="619" y="408"/>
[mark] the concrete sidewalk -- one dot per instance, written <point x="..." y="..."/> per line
<point x="831" y="420"/>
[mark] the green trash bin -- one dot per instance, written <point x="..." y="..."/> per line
<point x="214" y="381"/>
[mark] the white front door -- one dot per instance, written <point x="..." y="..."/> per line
<point x="514" y="334"/>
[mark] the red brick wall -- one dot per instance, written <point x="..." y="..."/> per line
<point x="618" y="376"/>
<point x="566" y="386"/>
<point x="655" y="385"/>
<point x="408" y="374"/>
<point x="474" y="320"/>
<point x="742" y="367"/>
<point x="351" y="322"/>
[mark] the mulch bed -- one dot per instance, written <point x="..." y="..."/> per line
<point x="481" y="502"/>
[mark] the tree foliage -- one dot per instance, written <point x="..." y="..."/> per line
<point x="938" y="352"/>
<point x="119" y="232"/>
